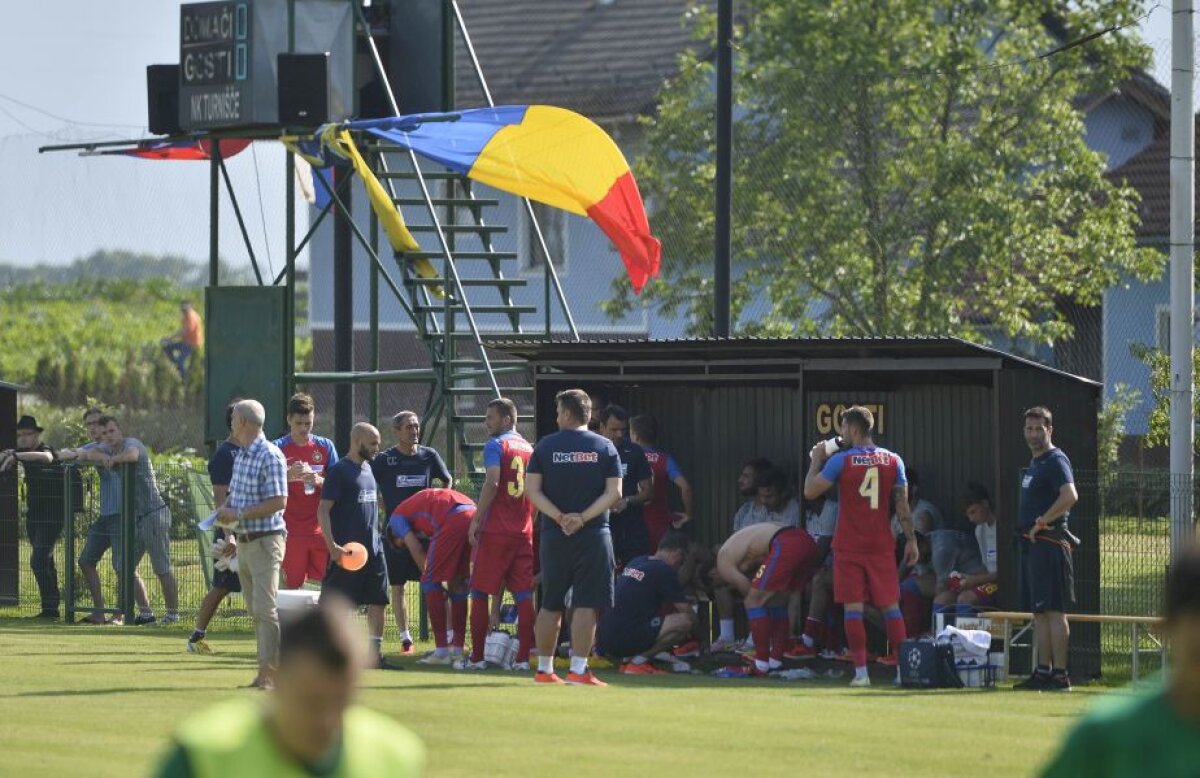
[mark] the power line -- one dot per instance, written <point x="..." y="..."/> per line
<point x="63" y="119"/>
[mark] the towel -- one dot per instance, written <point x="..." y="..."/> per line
<point x="976" y="642"/>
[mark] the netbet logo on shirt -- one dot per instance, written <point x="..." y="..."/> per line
<point x="575" y="457"/>
<point x="407" y="481"/>
<point x="366" y="495"/>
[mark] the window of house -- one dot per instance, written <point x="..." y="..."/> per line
<point x="1162" y="327"/>
<point x="553" y="222"/>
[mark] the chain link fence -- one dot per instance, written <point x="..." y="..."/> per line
<point x="57" y="542"/>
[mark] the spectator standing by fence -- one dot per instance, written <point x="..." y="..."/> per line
<point x="152" y="517"/>
<point x="627" y="521"/>
<point x="106" y="531"/>
<point x="257" y="498"/>
<point x="45" y="506"/>
<point x="185" y="341"/>
<point x="1047" y="494"/>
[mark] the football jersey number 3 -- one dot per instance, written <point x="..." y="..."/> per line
<point x="516" y="487"/>
<point x="869" y="487"/>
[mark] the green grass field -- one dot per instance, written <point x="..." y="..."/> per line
<point x="101" y="701"/>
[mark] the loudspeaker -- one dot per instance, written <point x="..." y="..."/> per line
<point x="303" y="89"/>
<point x="162" y="99"/>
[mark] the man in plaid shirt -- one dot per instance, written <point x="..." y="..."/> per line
<point x="257" y="497"/>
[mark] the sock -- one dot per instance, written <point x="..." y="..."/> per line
<point x="377" y="644"/>
<point x="860" y="672"/>
<point x="760" y="630"/>
<point x="479" y="624"/>
<point x="1058" y="671"/>
<point x="779" y="631"/>
<point x="545" y="664"/>
<point x="579" y="665"/>
<point x="774" y="664"/>
<point x="1043" y="670"/>
<point x="762" y="665"/>
<point x="458" y="619"/>
<point x="197" y="635"/>
<point x="525" y="617"/>
<point x="405" y="636"/>
<point x="638" y="660"/>
<point x="726" y="631"/>
<point x="856" y="638"/>
<point x="435" y="603"/>
<point x="812" y="631"/>
<point x="894" y="623"/>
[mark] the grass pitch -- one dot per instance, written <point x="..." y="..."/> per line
<point x="101" y="701"/>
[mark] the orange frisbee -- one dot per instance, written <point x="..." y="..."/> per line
<point x="355" y="557"/>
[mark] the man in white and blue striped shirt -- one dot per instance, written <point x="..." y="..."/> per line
<point x="257" y="497"/>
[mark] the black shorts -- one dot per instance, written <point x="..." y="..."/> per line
<point x="227" y="580"/>
<point x="582" y="563"/>
<point x="630" y="538"/>
<point x="368" y="586"/>
<point x="622" y="639"/>
<point x="401" y="567"/>
<point x="1048" y="577"/>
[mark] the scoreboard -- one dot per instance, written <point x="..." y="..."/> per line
<point x="227" y="58"/>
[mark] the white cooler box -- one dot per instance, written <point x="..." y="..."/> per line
<point x="297" y="599"/>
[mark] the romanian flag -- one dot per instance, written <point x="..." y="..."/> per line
<point x="547" y="154"/>
<point x="183" y="149"/>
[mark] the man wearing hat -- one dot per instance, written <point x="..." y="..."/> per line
<point x="44" y="499"/>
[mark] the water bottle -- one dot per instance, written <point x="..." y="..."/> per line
<point x="309" y="486"/>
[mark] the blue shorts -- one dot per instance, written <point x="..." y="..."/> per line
<point x="619" y="639"/>
<point x="102" y="534"/>
<point x="582" y="563"/>
<point x="368" y="586"/>
<point x="1048" y="577"/>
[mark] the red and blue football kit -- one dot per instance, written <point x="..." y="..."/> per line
<point x="503" y="555"/>
<point x="658" y="511"/>
<point x="305" y="554"/>
<point x="864" y="558"/>
<point x="443" y="515"/>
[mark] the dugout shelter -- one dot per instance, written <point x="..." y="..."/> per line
<point x="952" y="409"/>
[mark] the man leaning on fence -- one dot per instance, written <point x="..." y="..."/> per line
<point x="257" y="497"/>
<point x="46" y="507"/>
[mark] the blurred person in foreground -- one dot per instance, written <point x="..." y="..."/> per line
<point x="309" y="724"/>
<point x="1155" y="731"/>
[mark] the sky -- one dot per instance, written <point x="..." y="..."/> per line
<point x="77" y="74"/>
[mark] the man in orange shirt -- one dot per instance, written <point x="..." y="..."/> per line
<point x="188" y="338"/>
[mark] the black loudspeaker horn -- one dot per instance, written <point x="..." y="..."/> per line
<point x="303" y="89"/>
<point x="162" y="99"/>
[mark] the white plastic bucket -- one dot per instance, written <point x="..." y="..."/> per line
<point x="510" y="656"/>
<point x="495" y="648"/>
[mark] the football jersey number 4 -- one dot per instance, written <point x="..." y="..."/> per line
<point x="869" y="487"/>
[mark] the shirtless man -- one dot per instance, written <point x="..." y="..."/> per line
<point x="785" y="558"/>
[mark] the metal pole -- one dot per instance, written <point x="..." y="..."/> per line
<point x="721" y="248"/>
<point x="214" y="215"/>
<point x="373" y="408"/>
<point x="1183" y="229"/>
<point x="290" y="270"/>
<point x="343" y="313"/>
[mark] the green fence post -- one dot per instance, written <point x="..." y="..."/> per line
<point x="69" y="545"/>
<point x="129" y="568"/>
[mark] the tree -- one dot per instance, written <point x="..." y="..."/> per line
<point x="901" y="167"/>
